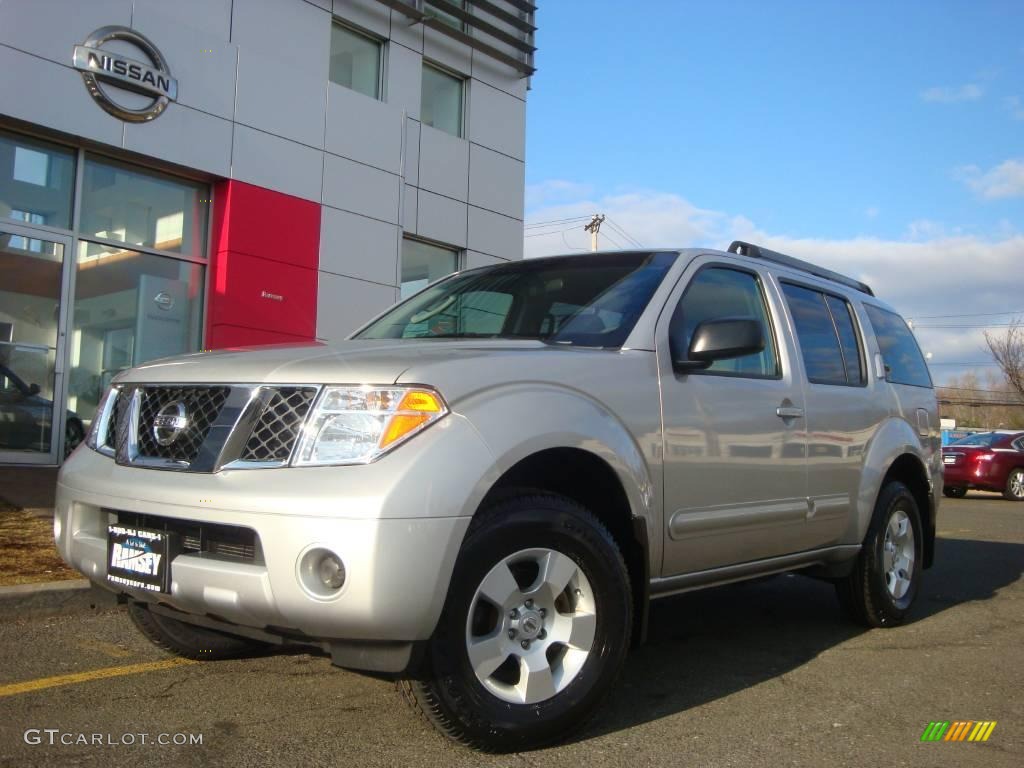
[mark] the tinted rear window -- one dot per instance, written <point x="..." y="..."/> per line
<point x="904" y="363"/>
<point x="827" y="336"/>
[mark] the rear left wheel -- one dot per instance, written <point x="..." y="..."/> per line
<point x="535" y="627"/>
<point x="883" y="584"/>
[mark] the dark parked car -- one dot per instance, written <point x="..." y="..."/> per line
<point x="26" y="418"/>
<point x="987" y="461"/>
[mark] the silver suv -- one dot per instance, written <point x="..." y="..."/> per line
<point x="480" y="491"/>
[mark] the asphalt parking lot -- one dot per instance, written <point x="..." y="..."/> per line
<point x="765" y="673"/>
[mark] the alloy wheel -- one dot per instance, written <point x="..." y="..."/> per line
<point x="531" y="626"/>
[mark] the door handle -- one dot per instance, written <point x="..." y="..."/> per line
<point x="789" y="412"/>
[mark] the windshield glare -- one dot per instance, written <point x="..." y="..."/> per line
<point x="591" y="301"/>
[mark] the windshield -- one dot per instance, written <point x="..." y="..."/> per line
<point x="986" y="439"/>
<point x="591" y="301"/>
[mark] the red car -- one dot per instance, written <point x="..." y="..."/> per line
<point x="987" y="461"/>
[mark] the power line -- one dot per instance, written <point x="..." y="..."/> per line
<point x="990" y="325"/>
<point x="625" y="234"/>
<point x="537" y="224"/>
<point x="552" y="232"/>
<point x="976" y="314"/>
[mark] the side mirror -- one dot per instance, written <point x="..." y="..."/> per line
<point x="33" y="389"/>
<point x="722" y="340"/>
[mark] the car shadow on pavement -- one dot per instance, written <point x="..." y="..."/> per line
<point x="706" y="645"/>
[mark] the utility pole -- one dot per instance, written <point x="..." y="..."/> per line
<point x="593" y="228"/>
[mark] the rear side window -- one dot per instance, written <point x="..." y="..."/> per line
<point x="904" y="363"/>
<point x="827" y="336"/>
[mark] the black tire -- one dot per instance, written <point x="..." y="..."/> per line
<point x="453" y="700"/>
<point x="1014" y="490"/>
<point x="74" y="434"/>
<point x="954" y="492"/>
<point x="190" y="641"/>
<point x="864" y="594"/>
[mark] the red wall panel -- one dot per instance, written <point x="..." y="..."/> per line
<point x="263" y="269"/>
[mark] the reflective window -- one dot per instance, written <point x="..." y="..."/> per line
<point x="827" y="335"/>
<point x="443" y="16"/>
<point x="129" y="307"/>
<point x="441" y="101"/>
<point x="423" y="263"/>
<point x="593" y="301"/>
<point x="29" y="314"/>
<point x="139" y="208"/>
<point x="904" y="363"/>
<point x="842" y="315"/>
<point x="718" y="293"/>
<point x="36" y="181"/>
<point x="355" y="61"/>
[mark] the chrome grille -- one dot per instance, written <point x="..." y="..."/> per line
<point x="277" y="430"/>
<point x="203" y="405"/>
<point x="116" y="408"/>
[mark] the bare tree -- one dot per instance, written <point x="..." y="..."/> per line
<point x="1008" y="350"/>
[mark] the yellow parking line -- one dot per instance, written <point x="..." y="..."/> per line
<point x="94" y="674"/>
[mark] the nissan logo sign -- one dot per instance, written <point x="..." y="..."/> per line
<point x="99" y="67"/>
<point x="170" y="422"/>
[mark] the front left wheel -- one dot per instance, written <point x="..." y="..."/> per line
<point x="188" y="640"/>
<point x="534" y="631"/>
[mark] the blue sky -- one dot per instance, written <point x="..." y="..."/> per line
<point x="882" y="139"/>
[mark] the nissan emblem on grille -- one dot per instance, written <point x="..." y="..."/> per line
<point x="170" y="422"/>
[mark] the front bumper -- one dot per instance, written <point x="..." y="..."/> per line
<point x="397" y="525"/>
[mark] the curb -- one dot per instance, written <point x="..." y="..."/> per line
<point x="53" y="598"/>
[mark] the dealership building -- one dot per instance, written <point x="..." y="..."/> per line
<point x="198" y="174"/>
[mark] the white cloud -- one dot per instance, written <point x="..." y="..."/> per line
<point x="952" y="94"/>
<point x="933" y="270"/>
<point x="1004" y="180"/>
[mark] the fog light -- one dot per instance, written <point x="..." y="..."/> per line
<point x="321" y="572"/>
<point x="332" y="572"/>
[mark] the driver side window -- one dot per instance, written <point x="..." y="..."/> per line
<point x="718" y="293"/>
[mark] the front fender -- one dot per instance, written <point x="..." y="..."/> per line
<point x="518" y="420"/>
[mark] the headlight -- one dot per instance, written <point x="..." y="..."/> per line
<point x="355" y="425"/>
<point x="98" y="429"/>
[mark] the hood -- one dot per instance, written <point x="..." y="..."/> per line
<point x="348" y="362"/>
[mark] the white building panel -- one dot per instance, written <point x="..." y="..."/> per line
<point x="363" y="129"/>
<point x="494" y="234"/>
<point x="168" y="139"/>
<point x="441" y="219"/>
<point x="345" y="304"/>
<point x="361" y="189"/>
<point x="270" y="161"/>
<point x="356" y="246"/>
<point x="276" y="97"/>
<point x="497" y="121"/>
<point x="496" y="181"/>
<point x="444" y="163"/>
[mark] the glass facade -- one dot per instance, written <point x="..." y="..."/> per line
<point x="36" y="182"/>
<point x="423" y="263"/>
<point x="441" y="105"/>
<point x="355" y="61"/>
<point x="77" y="305"/>
<point x="144" y="209"/>
<point x="129" y="308"/>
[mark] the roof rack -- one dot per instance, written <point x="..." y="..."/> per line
<point x="741" y="248"/>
